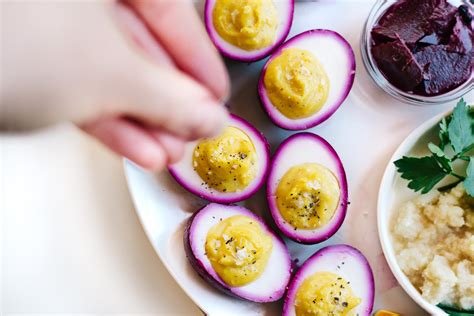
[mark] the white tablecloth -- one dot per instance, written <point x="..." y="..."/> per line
<point x="71" y="241"/>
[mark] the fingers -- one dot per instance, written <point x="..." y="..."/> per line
<point x="164" y="97"/>
<point x="150" y="148"/>
<point x="190" y="104"/>
<point x="179" y="30"/>
<point x="174" y="146"/>
<point x="170" y="106"/>
<point x="140" y="34"/>
<point x="129" y="140"/>
<point x="87" y="71"/>
<point x="171" y="101"/>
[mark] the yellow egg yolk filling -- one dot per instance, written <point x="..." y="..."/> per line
<point x="227" y="163"/>
<point x="238" y="249"/>
<point x="296" y="83"/>
<point x="308" y="195"/>
<point x="325" y="293"/>
<point x="247" y="24"/>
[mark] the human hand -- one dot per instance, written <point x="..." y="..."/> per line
<point x="69" y="60"/>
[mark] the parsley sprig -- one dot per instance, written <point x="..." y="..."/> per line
<point x="456" y="136"/>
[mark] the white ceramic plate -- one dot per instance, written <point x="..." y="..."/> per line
<point x="364" y="131"/>
<point x="394" y="191"/>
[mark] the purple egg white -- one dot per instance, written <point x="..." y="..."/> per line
<point x="298" y="149"/>
<point x="347" y="262"/>
<point x="284" y="10"/>
<point x="337" y="58"/>
<point x="268" y="287"/>
<point x="188" y="178"/>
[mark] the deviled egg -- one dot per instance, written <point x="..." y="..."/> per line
<point x="307" y="79"/>
<point x="235" y="251"/>
<point x="227" y="168"/>
<point x="248" y="30"/>
<point x="307" y="189"/>
<point x="336" y="280"/>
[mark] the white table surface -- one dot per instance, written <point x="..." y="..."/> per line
<point x="70" y="239"/>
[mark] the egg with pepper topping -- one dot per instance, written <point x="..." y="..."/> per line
<point x="307" y="189"/>
<point x="227" y="168"/>
<point x="248" y="30"/>
<point x="307" y="79"/>
<point x="336" y="280"/>
<point x="235" y="251"/>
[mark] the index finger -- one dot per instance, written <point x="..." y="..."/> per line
<point x="177" y="27"/>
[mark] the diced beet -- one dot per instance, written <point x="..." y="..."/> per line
<point x="408" y="19"/>
<point x="382" y="34"/>
<point x="442" y="20"/>
<point x="398" y="64"/>
<point x="424" y="46"/>
<point x="443" y="70"/>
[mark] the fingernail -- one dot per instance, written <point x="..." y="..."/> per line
<point x="223" y="122"/>
<point x="225" y="101"/>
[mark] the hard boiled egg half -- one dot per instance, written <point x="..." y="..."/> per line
<point x="307" y="79"/>
<point x="235" y="251"/>
<point x="248" y="30"/>
<point x="227" y="168"/>
<point x="307" y="189"/>
<point x="336" y="280"/>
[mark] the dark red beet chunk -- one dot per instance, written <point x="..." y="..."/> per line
<point x="398" y="63"/>
<point x="438" y="65"/>
<point x="407" y="19"/>
<point x="424" y="46"/>
<point x="442" y="19"/>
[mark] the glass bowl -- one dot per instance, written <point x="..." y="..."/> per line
<point x="376" y="12"/>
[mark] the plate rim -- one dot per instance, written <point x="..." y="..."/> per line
<point x="127" y="163"/>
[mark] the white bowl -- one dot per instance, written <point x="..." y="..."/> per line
<point x="394" y="191"/>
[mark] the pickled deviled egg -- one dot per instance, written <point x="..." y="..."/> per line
<point x="307" y="79"/>
<point x="235" y="251"/>
<point x="307" y="189"/>
<point x="227" y="168"/>
<point x="336" y="280"/>
<point x="248" y="30"/>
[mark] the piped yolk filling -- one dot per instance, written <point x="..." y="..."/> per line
<point x="227" y="163"/>
<point x="296" y="83"/>
<point x="238" y="249"/>
<point x="308" y="195"/>
<point x="247" y="24"/>
<point x="325" y="293"/>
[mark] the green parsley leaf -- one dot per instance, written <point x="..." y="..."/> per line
<point x="436" y="150"/>
<point x="422" y="173"/>
<point x="469" y="182"/>
<point x="455" y="311"/>
<point x="445" y="163"/>
<point x="456" y="131"/>
<point x="461" y="129"/>
<point x="441" y="157"/>
<point x="443" y="133"/>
